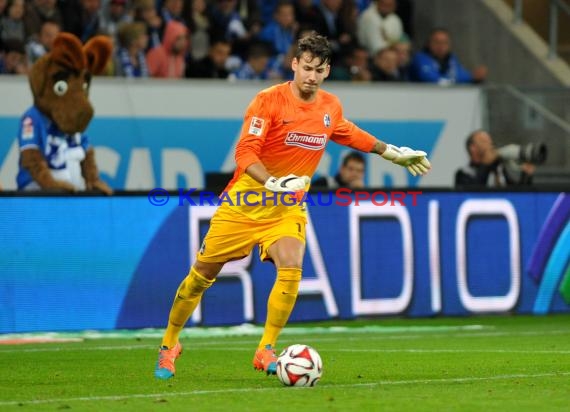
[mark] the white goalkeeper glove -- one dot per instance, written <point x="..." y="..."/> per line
<point x="290" y="183"/>
<point x="414" y="160"/>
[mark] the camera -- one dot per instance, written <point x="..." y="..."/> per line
<point x="534" y="153"/>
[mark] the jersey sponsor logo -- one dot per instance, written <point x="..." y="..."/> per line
<point x="327" y="120"/>
<point x="256" y="126"/>
<point x="306" y="141"/>
<point x="27" y="129"/>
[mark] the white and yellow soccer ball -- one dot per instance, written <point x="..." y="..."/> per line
<point x="299" y="365"/>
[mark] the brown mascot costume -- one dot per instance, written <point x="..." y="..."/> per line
<point x="54" y="152"/>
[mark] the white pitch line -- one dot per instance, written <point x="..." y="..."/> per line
<point x="249" y="348"/>
<point x="553" y="352"/>
<point x="201" y="344"/>
<point x="466" y="379"/>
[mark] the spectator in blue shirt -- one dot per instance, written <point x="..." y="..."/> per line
<point x="256" y="67"/>
<point x="437" y="64"/>
<point x="280" y="32"/>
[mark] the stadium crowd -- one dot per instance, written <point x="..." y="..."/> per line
<point x="234" y="39"/>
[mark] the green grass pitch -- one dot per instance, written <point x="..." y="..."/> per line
<point x="446" y="364"/>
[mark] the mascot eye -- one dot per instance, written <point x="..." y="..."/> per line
<point x="60" y="87"/>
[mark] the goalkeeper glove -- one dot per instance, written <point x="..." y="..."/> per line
<point x="290" y="183"/>
<point x="414" y="160"/>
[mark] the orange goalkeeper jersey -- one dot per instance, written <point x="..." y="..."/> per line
<point x="288" y="136"/>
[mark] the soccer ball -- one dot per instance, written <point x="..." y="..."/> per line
<point x="299" y="365"/>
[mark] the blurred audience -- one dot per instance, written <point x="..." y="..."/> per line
<point x="225" y="21"/>
<point x="436" y="63"/>
<point x="82" y="18"/>
<point x="12" y="22"/>
<point x="172" y="10"/>
<point x="168" y="59"/>
<point x="145" y="13"/>
<point x="355" y="66"/>
<point x="199" y="26"/>
<point x="213" y="66"/>
<point x="281" y="31"/>
<point x="385" y="66"/>
<point x="39" y="11"/>
<point x="329" y="21"/>
<point x="379" y="26"/>
<point x="36" y="48"/>
<point x="130" y="56"/>
<point x="13" y="57"/>
<point x="114" y="14"/>
<point x="256" y="66"/>
<point x="220" y="34"/>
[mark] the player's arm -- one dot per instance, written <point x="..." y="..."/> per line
<point x="348" y="134"/>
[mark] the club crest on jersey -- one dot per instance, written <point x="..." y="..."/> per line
<point x="327" y="120"/>
<point x="306" y="141"/>
<point x="256" y="126"/>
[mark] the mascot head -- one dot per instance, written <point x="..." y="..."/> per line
<point x="60" y="80"/>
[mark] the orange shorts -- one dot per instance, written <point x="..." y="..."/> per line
<point x="232" y="236"/>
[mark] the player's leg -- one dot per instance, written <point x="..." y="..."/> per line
<point x="188" y="295"/>
<point x="287" y="253"/>
<point x="227" y="239"/>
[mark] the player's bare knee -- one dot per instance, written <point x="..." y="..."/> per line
<point x="288" y="258"/>
<point x="207" y="269"/>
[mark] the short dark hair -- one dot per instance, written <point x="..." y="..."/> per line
<point x="356" y="156"/>
<point x="438" y="30"/>
<point x="471" y="138"/>
<point x="316" y="45"/>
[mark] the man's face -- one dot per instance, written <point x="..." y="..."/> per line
<point x="481" y="147"/>
<point x="220" y="53"/>
<point x="91" y="6"/>
<point x="174" y="7"/>
<point x="48" y="34"/>
<point x="310" y="73"/>
<point x="403" y="52"/>
<point x="440" y="44"/>
<point x="387" y="61"/>
<point x="285" y="15"/>
<point x="13" y="59"/>
<point x="180" y="44"/>
<point x="386" y="7"/>
<point x="360" y="58"/>
<point x="258" y="64"/>
<point x="352" y="172"/>
<point x="116" y="10"/>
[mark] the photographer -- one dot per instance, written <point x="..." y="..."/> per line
<point x="498" y="167"/>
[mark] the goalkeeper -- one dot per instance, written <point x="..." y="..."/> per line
<point x="284" y="134"/>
